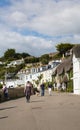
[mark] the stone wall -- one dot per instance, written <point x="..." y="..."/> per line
<point x="13" y="93"/>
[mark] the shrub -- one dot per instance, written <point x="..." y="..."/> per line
<point x="70" y="86"/>
<point x="1" y="86"/>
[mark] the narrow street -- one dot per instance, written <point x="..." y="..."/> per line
<point x="61" y="111"/>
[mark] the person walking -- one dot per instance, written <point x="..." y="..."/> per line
<point x="65" y="80"/>
<point x="27" y="91"/>
<point x="42" y="86"/>
<point x="58" y="80"/>
<point x="5" y="91"/>
<point x="49" y="88"/>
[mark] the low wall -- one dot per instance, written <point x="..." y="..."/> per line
<point x="13" y="93"/>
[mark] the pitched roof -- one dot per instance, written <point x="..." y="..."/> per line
<point x="65" y="66"/>
<point x="76" y="51"/>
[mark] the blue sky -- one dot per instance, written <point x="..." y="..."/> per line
<point x="37" y="26"/>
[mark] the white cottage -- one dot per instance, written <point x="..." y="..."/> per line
<point x="14" y="83"/>
<point x="76" y="69"/>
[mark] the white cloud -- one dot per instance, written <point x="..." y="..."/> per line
<point x="30" y="44"/>
<point x="58" y="19"/>
<point x="47" y="17"/>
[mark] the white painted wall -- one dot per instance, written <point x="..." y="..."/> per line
<point x="76" y="75"/>
<point x="47" y="76"/>
<point x="14" y="83"/>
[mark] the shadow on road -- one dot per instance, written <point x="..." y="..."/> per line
<point x="3" y="117"/>
<point x="36" y="108"/>
<point x="7" y="108"/>
<point x="37" y="101"/>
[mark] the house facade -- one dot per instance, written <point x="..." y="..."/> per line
<point x="14" y="83"/>
<point x="36" y="72"/>
<point x="76" y="69"/>
<point x="16" y="62"/>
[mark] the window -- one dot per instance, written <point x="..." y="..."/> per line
<point x="31" y="76"/>
<point x="26" y="77"/>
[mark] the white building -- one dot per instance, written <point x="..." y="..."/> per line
<point x="54" y="63"/>
<point x="14" y="83"/>
<point x="16" y="62"/>
<point x="32" y="75"/>
<point x="76" y="69"/>
<point x="36" y="72"/>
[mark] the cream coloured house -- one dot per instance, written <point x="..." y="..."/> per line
<point x="36" y="72"/>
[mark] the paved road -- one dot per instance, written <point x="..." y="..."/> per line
<point x="60" y="111"/>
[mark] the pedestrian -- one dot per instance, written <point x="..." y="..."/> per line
<point x="42" y="86"/>
<point x="5" y="91"/>
<point x="58" y="82"/>
<point x="49" y="88"/>
<point x="0" y="97"/>
<point x="65" y="80"/>
<point x="28" y="90"/>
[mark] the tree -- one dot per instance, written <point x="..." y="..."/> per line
<point x="64" y="47"/>
<point x="9" y="53"/>
<point x="44" y="59"/>
<point x="37" y="82"/>
<point x="24" y="55"/>
<point x="17" y="56"/>
<point x="40" y="77"/>
<point x="31" y="59"/>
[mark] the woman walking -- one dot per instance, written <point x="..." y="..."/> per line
<point x="28" y="90"/>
